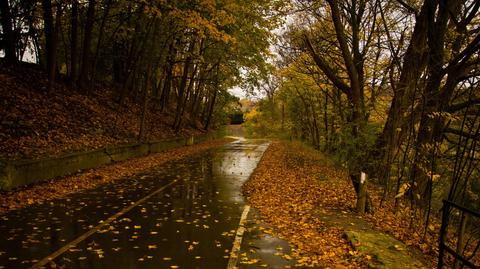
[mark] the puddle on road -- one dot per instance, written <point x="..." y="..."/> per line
<point x="190" y="225"/>
<point x="261" y="247"/>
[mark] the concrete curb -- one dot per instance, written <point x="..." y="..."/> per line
<point x="24" y="172"/>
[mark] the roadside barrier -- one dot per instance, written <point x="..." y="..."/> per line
<point x="25" y="172"/>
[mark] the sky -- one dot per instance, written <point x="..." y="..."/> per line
<point x="238" y="92"/>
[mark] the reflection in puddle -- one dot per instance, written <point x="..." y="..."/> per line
<point x="188" y="225"/>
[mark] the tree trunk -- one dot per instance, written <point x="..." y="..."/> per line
<point x="414" y="63"/>
<point x="86" y="51"/>
<point x="74" y="44"/>
<point x="182" y="88"/>
<point x="167" y="85"/>
<point x="210" y="110"/>
<point x="364" y="202"/>
<point x="198" y="101"/>
<point x="325" y="122"/>
<point x="50" y="45"/>
<point x="189" y="93"/>
<point x="355" y="92"/>
<point x="146" y="91"/>
<point x="99" y="41"/>
<point x="8" y="36"/>
<point x="164" y="98"/>
<point x="196" y="95"/>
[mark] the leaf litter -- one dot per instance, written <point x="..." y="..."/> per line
<point x="89" y="179"/>
<point x="286" y="191"/>
<point x="36" y="123"/>
<point x="302" y="194"/>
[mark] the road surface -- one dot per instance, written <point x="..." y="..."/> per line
<point x="183" y="214"/>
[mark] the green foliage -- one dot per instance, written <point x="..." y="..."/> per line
<point x="260" y="122"/>
<point x="226" y="105"/>
<point x="352" y="151"/>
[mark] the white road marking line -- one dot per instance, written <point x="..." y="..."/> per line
<point x="232" y="262"/>
<point x="95" y="229"/>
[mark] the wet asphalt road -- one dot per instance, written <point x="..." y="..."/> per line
<point x="189" y="221"/>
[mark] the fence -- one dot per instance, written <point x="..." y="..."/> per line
<point x="457" y="252"/>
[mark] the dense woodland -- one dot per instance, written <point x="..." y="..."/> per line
<point x="390" y="88"/>
<point x="175" y="55"/>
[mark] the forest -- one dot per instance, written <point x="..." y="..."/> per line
<point x="388" y="89"/>
<point x="180" y="55"/>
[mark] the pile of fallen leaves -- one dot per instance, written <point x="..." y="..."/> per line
<point x="292" y="180"/>
<point x="401" y="223"/>
<point x="92" y="178"/>
<point x="286" y="189"/>
<point x="36" y="123"/>
<point x="407" y="225"/>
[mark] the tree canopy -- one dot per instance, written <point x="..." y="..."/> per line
<point x="389" y="88"/>
<point x="184" y="54"/>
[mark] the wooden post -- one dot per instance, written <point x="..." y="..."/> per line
<point x="362" y="193"/>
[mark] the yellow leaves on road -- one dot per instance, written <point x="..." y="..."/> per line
<point x="286" y="189"/>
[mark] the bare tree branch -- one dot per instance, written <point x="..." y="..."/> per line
<point x="408" y="7"/>
<point x="462" y="133"/>
<point x="464" y="55"/>
<point x="326" y="68"/>
<point x="460" y="106"/>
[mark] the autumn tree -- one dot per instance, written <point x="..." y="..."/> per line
<point x="8" y="39"/>
<point x="390" y="81"/>
<point x="354" y="26"/>
<point x="172" y="56"/>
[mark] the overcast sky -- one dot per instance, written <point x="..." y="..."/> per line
<point x="238" y="92"/>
